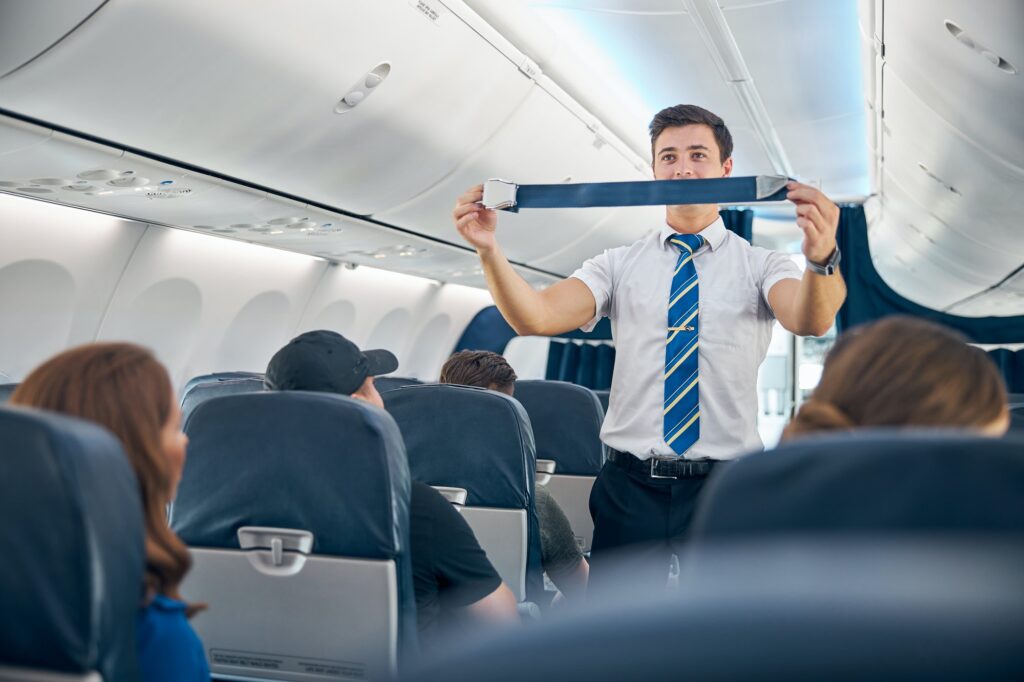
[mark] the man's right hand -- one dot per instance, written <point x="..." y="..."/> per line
<point x="475" y="223"/>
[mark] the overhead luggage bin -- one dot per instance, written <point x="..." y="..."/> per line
<point x="254" y="93"/>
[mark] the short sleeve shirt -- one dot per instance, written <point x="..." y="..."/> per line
<point x="449" y="568"/>
<point x="631" y="286"/>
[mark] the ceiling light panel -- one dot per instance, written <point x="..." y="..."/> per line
<point x="230" y="104"/>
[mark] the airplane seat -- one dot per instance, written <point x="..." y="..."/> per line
<point x="1016" y="401"/>
<point x="795" y="610"/>
<point x="603" y="397"/>
<point x="200" y="393"/>
<point x="874" y="481"/>
<point x="218" y="376"/>
<point x="5" y="391"/>
<point x="71" y="578"/>
<point x="479" y="440"/>
<point x="566" y="421"/>
<point x="389" y="383"/>
<point x="296" y="508"/>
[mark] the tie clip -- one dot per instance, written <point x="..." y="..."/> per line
<point x="687" y="328"/>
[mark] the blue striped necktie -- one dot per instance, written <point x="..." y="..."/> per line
<point x="681" y="416"/>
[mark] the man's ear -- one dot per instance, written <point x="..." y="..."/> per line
<point x="727" y="167"/>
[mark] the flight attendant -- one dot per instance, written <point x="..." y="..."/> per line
<point x="692" y="307"/>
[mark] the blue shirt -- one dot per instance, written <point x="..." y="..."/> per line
<point x="169" y="649"/>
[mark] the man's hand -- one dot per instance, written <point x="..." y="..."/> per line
<point x="818" y="217"/>
<point x="475" y="223"/>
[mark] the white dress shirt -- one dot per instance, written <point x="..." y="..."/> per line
<point x="631" y="287"/>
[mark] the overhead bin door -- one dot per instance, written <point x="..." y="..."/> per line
<point x="249" y="88"/>
<point x="541" y="143"/>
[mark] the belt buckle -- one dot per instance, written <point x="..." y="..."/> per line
<point x="654" y="461"/>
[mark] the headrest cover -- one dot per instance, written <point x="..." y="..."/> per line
<point x="311" y="461"/>
<point x="71" y="523"/>
<point x="566" y="421"/>
<point x="873" y="481"/>
<point x="200" y="393"/>
<point x="390" y="383"/>
<point x="218" y="376"/>
<point x="468" y="438"/>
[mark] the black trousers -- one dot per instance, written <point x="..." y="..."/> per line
<point x="639" y="522"/>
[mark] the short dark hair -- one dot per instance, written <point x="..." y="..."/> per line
<point x="688" y="115"/>
<point x="478" y="368"/>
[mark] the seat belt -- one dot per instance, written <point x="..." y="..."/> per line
<point x="508" y="196"/>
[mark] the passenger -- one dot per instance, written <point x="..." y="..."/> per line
<point x="122" y="387"/>
<point x="904" y="371"/>
<point x="561" y="556"/>
<point x="452" y="576"/>
<point x="659" y="419"/>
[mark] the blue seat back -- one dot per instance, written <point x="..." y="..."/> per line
<point x="319" y="462"/>
<point x="214" y="377"/>
<point x="1017" y="412"/>
<point x="5" y="391"/>
<point x="873" y="481"/>
<point x="566" y="421"/>
<point x="71" y="522"/>
<point x="387" y="383"/>
<point x="475" y="439"/>
<point x="603" y="395"/>
<point x="200" y="393"/>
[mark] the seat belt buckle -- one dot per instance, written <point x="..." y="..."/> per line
<point x="499" y="195"/>
<point x="768" y="185"/>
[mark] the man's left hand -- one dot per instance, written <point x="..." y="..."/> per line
<point x="818" y="217"/>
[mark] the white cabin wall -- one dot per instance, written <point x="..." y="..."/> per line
<point x="202" y="303"/>
<point x="58" y="271"/>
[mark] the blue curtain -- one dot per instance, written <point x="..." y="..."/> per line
<point x="583" y="364"/>
<point x="1011" y="364"/>
<point x="739" y="220"/>
<point x="869" y="298"/>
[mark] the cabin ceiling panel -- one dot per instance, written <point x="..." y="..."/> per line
<point x="908" y="264"/>
<point x="27" y="29"/>
<point x="959" y="84"/>
<point x="958" y="181"/>
<point x="253" y="94"/>
<point x="659" y="55"/>
<point x="542" y="143"/>
<point x="1004" y="301"/>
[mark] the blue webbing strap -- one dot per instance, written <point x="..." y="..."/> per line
<point x="504" y="195"/>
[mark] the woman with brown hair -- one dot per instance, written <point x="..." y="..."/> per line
<point x="124" y="388"/>
<point x="904" y="371"/>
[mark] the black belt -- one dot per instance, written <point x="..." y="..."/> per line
<point x="663" y="468"/>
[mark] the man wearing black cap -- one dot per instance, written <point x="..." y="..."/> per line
<point x="451" y="573"/>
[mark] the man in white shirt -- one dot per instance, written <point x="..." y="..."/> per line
<point x="676" y="406"/>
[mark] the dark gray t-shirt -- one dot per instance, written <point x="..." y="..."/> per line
<point x="559" y="551"/>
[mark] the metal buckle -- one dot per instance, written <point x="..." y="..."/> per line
<point x="768" y="185"/>
<point x="654" y="461"/>
<point x="499" y="194"/>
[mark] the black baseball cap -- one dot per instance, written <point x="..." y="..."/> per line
<point x="323" y="360"/>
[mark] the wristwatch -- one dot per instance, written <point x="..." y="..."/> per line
<point x="829" y="268"/>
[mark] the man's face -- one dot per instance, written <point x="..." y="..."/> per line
<point x="684" y="152"/>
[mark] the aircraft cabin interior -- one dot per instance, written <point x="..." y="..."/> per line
<point x="235" y="198"/>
